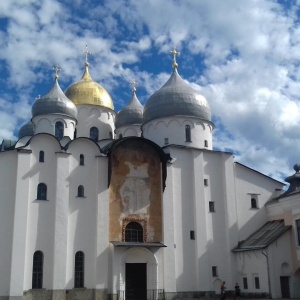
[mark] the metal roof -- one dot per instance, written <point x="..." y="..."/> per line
<point x="26" y="130"/>
<point x="54" y="102"/>
<point x="263" y="237"/>
<point x="132" y="113"/>
<point x="176" y="98"/>
<point x="132" y="244"/>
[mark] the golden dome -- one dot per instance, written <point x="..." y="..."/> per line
<point x="87" y="91"/>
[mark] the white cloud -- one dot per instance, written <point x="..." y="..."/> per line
<point x="244" y="55"/>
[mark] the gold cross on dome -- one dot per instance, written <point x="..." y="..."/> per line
<point x="86" y="52"/>
<point x="56" y="69"/>
<point x="174" y="52"/>
<point x="134" y="83"/>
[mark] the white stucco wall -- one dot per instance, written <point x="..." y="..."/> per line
<point x="173" y="129"/>
<point x="95" y="116"/>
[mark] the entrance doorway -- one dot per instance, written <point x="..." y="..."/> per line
<point x="136" y="281"/>
<point x="285" y="287"/>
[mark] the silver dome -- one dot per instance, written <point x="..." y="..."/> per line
<point x="54" y="102"/>
<point x="176" y="98"/>
<point x="26" y="130"/>
<point x="132" y="113"/>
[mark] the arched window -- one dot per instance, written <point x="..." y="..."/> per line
<point x="94" y="134"/>
<point x="188" y="133"/>
<point x="110" y="135"/>
<point x="120" y="136"/>
<point x="37" y="270"/>
<point x="253" y="203"/>
<point x="41" y="156"/>
<point x="81" y="159"/>
<point x="80" y="191"/>
<point x="41" y="191"/>
<point x="59" y="130"/>
<point x="79" y="270"/>
<point x="75" y="133"/>
<point x="134" y="232"/>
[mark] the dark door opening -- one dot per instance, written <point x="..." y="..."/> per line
<point x="285" y="287"/>
<point x="136" y="282"/>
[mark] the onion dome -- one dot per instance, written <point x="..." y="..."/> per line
<point x="26" y="130"/>
<point x="176" y="98"/>
<point x="54" y="102"/>
<point x="132" y="113"/>
<point x="87" y="91"/>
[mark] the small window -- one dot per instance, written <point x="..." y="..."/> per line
<point x="110" y="135"/>
<point x="134" y="232"/>
<point x="256" y="281"/>
<point x="94" y="134"/>
<point x="81" y="160"/>
<point x="79" y="270"/>
<point x="120" y="136"/>
<point x="205" y="143"/>
<point x="298" y="230"/>
<point x="166" y="141"/>
<point x="211" y="206"/>
<point x="75" y="133"/>
<point x="214" y="270"/>
<point x="245" y="283"/>
<point x="41" y="156"/>
<point x="80" y="191"/>
<point x="206" y="182"/>
<point x="187" y="133"/>
<point x="37" y="270"/>
<point x="192" y="234"/>
<point x="41" y="191"/>
<point x="59" y="130"/>
<point x="254" y="202"/>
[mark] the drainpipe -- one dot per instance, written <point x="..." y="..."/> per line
<point x="268" y="271"/>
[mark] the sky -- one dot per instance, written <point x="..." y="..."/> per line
<point x="243" y="56"/>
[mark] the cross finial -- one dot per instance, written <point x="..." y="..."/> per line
<point x="86" y="52"/>
<point x="174" y="52"/>
<point x="56" y="69"/>
<point x="134" y="83"/>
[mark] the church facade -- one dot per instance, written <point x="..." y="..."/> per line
<point x="137" y="205"/>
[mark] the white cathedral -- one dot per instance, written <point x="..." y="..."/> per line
<point x="136" y="204"/>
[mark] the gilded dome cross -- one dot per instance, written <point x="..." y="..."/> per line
<point x="174" y="52"/>
<point x="134" y="83"/>
<point x="56" y="69"/>
<point x="86" y="52"/>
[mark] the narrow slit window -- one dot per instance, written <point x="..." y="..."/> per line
<point x="254" y="201"/>
<point x="41" y="191"/>
<point x="187" y="133"/>
<point x="41" y="156"/>
<point x="59" y="130"/>
<point x="211" y="206"/>
<point x="214" y="270"/>
<point x="80" y="191"/>
<point x="192" y="234"/>
<point x="256" y="281"/>
<point x="81" y="160"/>
<point x="245" y="283"/>
<point x="94" y="134"/>
<point x="79" y="270"/>
<point x="37" y="270"/>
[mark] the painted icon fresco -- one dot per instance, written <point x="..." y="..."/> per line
<point x="135" y="189"/>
